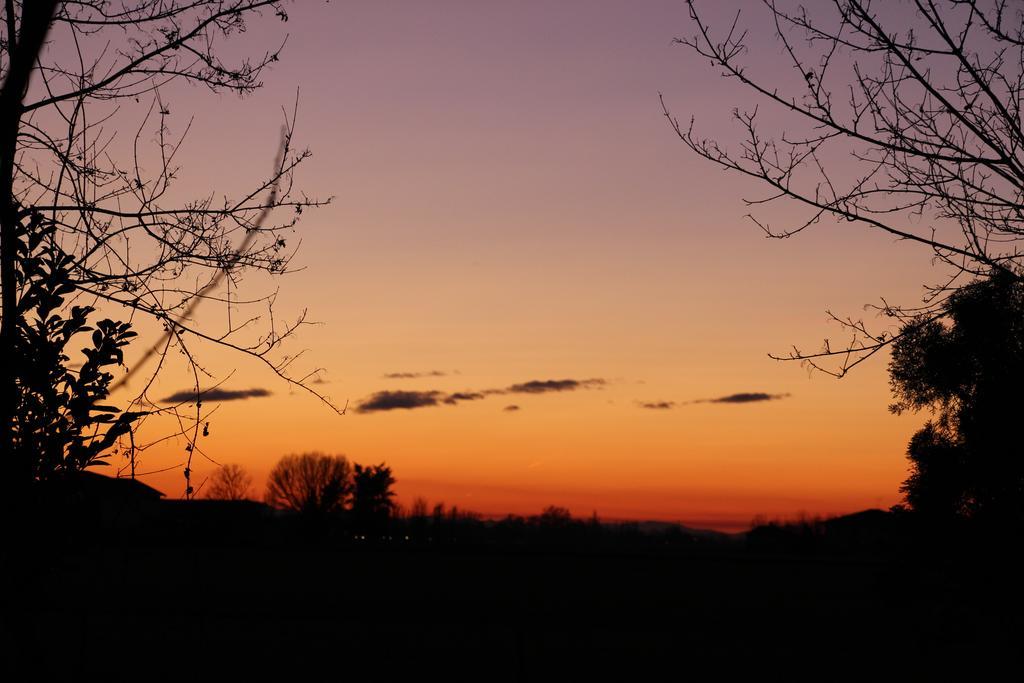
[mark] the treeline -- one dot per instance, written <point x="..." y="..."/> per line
<point x="554" y="527"/>
<point x="898" y="531"/>
<point x="328" y="499"/>
<point x="869" y="531"/>
<point x="420" y="525"/>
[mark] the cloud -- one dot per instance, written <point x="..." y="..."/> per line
<point x="400" y="400"/>
<point x="511" y="409"/>
<point x="215" y="394"/>
<point x="415" y="375"/>
<point x="744" y="397"/>
<point x="407" y="400"/>
<point x="741" y="397"/>
<point x="544" y="386"/>
<point x="657" y="405"/>
<point x="452" y="399"/>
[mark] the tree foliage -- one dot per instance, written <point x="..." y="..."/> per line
<point x="61" y="420"/>
<point x="968" y="369"/>
<point x="372" y="493"/>
<point x="937" y="486"/>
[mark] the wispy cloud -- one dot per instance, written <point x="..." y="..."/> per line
<point x="744" y="397"/>
<point x="738" y="398"/>
<point x="408" y="400"/>
<point x="452" y="399"/>
<point x="415" y="375"/>
<point x="215" y="394"/>
<point x="511" y="409"/>
<point x="399" y="400"/>
<point x="657" y="405"/>
<point x="543" y="386"/>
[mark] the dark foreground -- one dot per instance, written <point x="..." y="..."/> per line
<point x="175" y="612"/>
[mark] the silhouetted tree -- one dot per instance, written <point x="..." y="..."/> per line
<point x="938" y="484"/>
<point x="371" y="495"/>
<point x="898" y="117"/>
<point x="418" y="508"/>
<point x="437" y="523"/>
<point x="967" y="368"/>
<point x="554" y="517"/>
<point x="311" y="483"/>
<point x="230" y="482"/>
<point x="419" y="518"/>
<point x="100" y="213"/>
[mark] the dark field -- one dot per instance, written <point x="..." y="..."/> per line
<point x="308" y="613"/>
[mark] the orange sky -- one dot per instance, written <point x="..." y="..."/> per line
<point x="510" y="205"/>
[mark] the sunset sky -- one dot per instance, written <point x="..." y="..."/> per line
<point x="511" y="207"/>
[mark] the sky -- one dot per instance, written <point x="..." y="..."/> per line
<point x="514" y="219"/>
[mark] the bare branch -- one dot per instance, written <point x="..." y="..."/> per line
<point x="929" y="114"/>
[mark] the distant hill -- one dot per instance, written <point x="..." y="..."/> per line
<point x="657" y="527"/>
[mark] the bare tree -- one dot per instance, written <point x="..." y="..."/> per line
<point x="311" y="483"/>
<point x="229" y="482"/>
<point x="75" y="76"/>
<point x="900" y="117"/>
